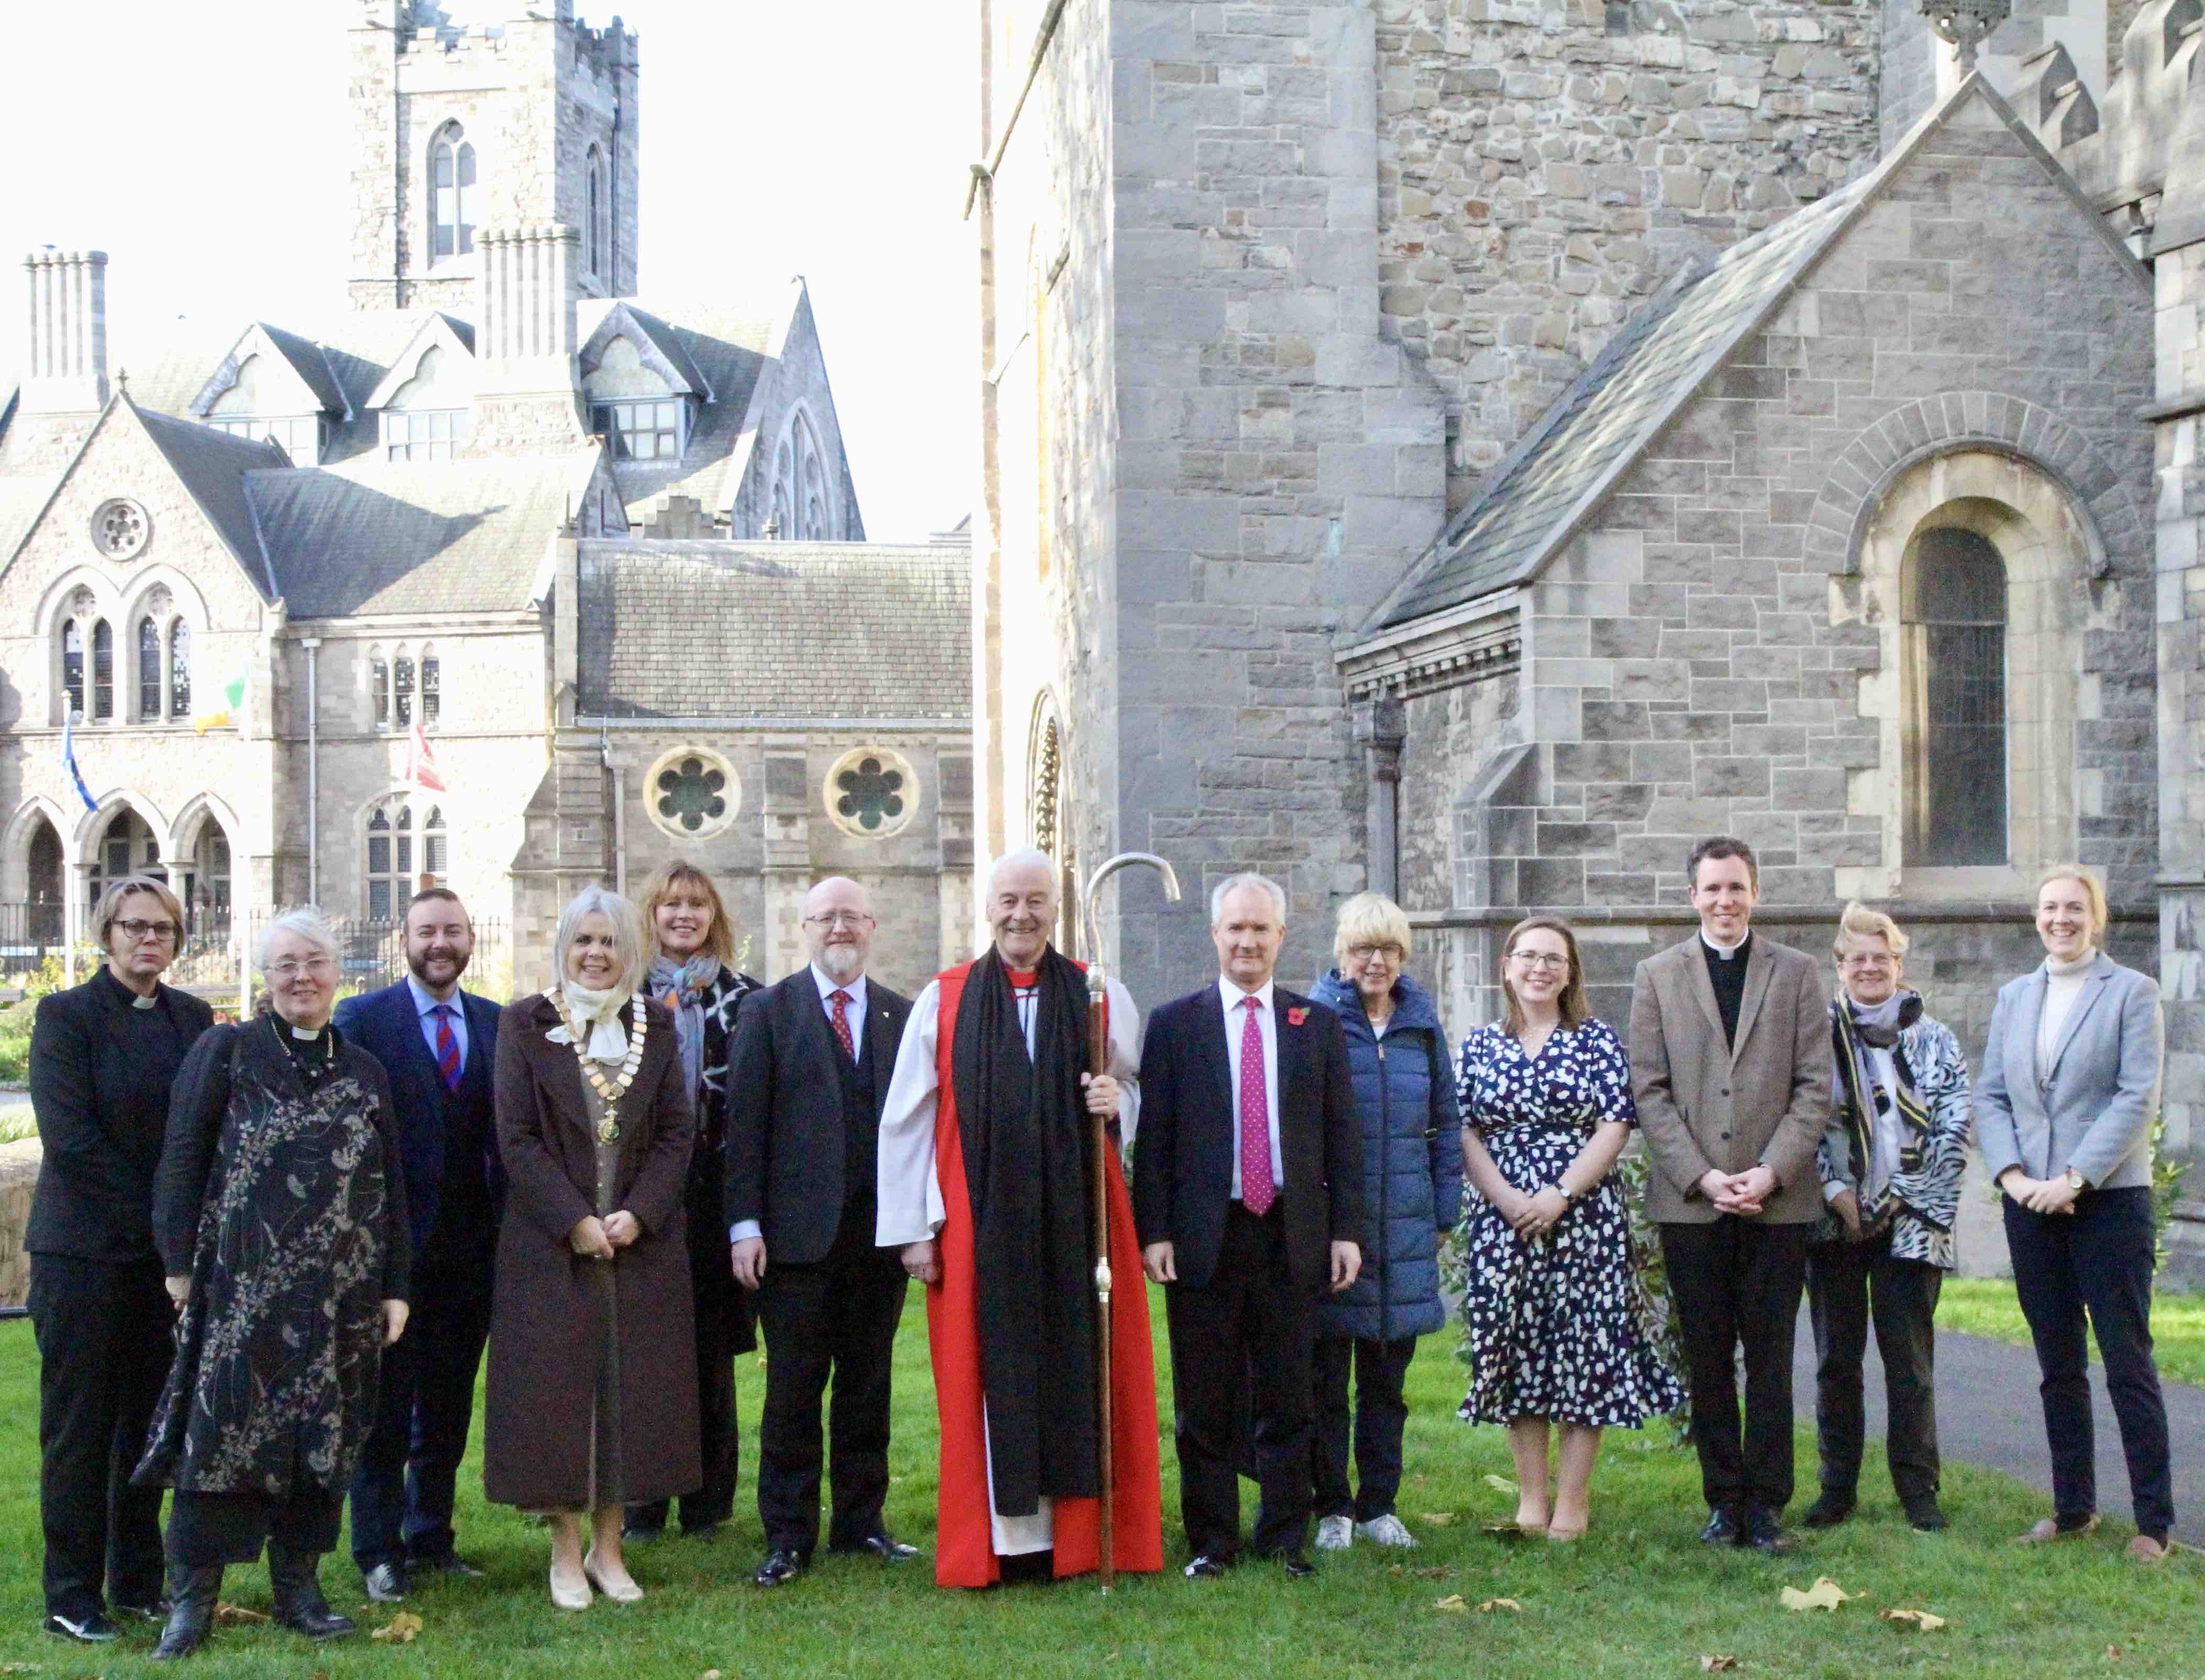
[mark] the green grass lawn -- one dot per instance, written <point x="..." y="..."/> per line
<point x="1987" y="1307"/>
<point x="1638" y="1597"/>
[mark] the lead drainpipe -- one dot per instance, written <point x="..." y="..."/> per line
<point x="313" y="645"/>
<point x="620" y="808"/>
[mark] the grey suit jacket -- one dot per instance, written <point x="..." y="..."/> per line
<point x="2093" y="1108"/>
<point x="1705" y="1106"/>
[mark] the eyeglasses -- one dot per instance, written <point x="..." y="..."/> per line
<point x="832" y="918"/>
<point x="1872" y="961"/>
<point x="289" y="970"/>
<point x="1360" y="955"/>
<point x="1541" y="961"/>
<point x="134" y="930"/>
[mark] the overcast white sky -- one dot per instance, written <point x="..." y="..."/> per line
<point x="204" y="148"/>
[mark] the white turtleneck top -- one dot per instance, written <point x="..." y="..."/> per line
<point x="2063" y="986"/>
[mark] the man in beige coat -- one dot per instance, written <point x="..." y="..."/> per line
<point x="1730" y="1059"/>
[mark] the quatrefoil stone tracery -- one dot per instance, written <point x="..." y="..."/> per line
<point x="120" y="528"/>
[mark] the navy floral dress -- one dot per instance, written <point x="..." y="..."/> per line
<point x="1557" y="1325"/>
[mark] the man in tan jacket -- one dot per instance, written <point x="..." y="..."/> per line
<point x="1730" y="1059"/>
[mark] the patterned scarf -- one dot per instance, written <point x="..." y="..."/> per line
<point x="682" y="988"/>
<point x="1851" y="1039"/>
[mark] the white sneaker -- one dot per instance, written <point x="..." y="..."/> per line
<point x="1335" y="1533"/>
<point x="1387" y="1530"/>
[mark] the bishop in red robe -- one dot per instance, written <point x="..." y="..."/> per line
<point x="985" y="1185"/>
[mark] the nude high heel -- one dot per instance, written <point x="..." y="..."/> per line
<point x="571" y="1594"/>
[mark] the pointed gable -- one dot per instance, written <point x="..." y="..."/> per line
<point x="274" y="372"/>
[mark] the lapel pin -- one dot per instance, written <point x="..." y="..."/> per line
<point x="1295" y="1017"/>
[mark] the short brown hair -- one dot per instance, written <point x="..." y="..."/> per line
<point x="680" y="872"/>
<point x="430" y="895"/>
<point x="1575" y="1006"/>
<point x="109" y="911"/>
<point x="1721" y="845"/>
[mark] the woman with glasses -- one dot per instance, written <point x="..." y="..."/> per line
<point x="1557" y="1339"/>
<point x="103" y="1056"/>
<point x="280" y="1213"/>
<point x="593" y="1391"/>
<point x="1412" y="1195"/>
<point x="693" y="973"/>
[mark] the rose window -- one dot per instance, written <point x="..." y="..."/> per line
<point x="120" y="528"/>
<point x="690" y="795"/>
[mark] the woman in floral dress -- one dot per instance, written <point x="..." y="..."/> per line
<point x="1557" y="1335"/>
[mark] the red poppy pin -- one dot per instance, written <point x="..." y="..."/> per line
<point x="1295" y="1017"/>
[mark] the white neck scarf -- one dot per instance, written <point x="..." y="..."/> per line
<point x="599" y="1011"/>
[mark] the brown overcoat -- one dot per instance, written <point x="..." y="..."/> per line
<point x="545" y="1322"/>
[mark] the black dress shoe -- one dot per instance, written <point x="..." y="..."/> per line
<point x="294" y="1584"/>
<point x="386" y="1583"/>
<point x="1723" y="1528"/>
<point x="781" y="1567"/>
<point x="1206" y="1568"/>
<point x="882" y="1545"/>
<point x="1764" y="1533"/>
<point x="1826" y="1512"/>
<point x="94" y="1629"/>
<point x="192" y="1593"/>
<point x="1924" y="1516"/>
<point x="1297" y="1567"/>
<point x="445" y="1563"/>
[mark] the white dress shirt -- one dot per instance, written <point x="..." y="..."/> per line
<point x="853" y="1012"/>
<point x="1232" y="998"/>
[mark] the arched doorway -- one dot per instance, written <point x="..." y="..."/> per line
<point x="127" y="847"/>
<point x="45" y="910"/>
<point x="203" y="881"/>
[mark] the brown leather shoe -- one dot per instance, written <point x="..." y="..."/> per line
<point x="2049" y="1529"/>
<point x="2143" y="1549"/>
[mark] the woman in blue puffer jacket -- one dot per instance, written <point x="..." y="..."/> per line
<point x="1405" y="1098"/>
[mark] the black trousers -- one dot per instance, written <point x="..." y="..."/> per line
<point x="1251" y="1322"/>
<point x="1380" y="1416"/>
<point x="205" y="1529"/>
<point x="835" y="1317"/>
<point x="105" y="1341"/>
<point x="402" y="1490"/>
<point x="1737" y="1284"/>
<point x="1849" y="1283"/>
<point x="713" y="1299"/>
<point x="2097" y="1259"/>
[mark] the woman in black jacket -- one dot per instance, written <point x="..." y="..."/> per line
<point x="1404" y="1101"/>
<point x="103" y="1056"/>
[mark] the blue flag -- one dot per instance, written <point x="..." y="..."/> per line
<point x="69" y="758"/>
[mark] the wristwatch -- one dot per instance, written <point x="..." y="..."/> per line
<point x="2076" y="1181"/>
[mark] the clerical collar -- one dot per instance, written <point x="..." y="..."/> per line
<point x="308" y="1034"/>
<point x="1727" y="953"/>
<point x="150" y="1002"/>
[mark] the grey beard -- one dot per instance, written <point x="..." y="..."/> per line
<point x="840" y="962"/>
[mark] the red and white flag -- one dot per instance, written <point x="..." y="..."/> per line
<point x="421" y="770"/>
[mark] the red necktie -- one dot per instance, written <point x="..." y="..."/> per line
<point x="1257" y="1190"/>
<point x="447" y="1047"/>
<point x="841" y="1002"/>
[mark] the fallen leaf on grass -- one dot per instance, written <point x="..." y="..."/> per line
<point x="1502" y="1485"/>
<point x="710" y="1674"/>
<point x="1824" y="1594"/>
<point x="1717" y="1665"/>
<point x="1489" y="1606"/>
<point x="2113" y="1653"/>
<point x="19" y="1668"/>
<point x="1439" y="1519"/>
<point x="232" y="1614"/>
<point x="1436" y="1572"/>
<point x="1919" y="1618"/>
<point x="399" y="1629"/>
<point x="1452" y="1604"/>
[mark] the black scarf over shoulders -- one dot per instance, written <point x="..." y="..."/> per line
<point x="1023" y="1126"/>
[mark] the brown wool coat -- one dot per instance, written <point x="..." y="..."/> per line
<point x="544" y="1324"/>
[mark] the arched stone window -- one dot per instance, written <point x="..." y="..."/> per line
<point x="103" y="671"/>
<point x="378" y="687"/>
<point x="1953" y="603"/>
<point x="594" y="168"/>
<point x="179" y="668"/>
<point x="401" y="691"/>
<point x="405" y="851"/>
<point x="451" y="194"/>
<point x="45" y="912"/>
<point x="127" y="847"/>
<point x="149" y="670"/>
<point x="803" y="501"/>
<point x="431" y="691"/>
<point x="73" y="667"/>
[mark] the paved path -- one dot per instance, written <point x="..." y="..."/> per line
<point x="1987" y="1413"/>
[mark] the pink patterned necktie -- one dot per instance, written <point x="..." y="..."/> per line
<point x="840" y="1000"/>
<point x="1257" y="1190"/>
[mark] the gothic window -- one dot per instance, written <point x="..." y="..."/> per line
<point x="594" y="168"/>
<point x="180" y="670"/>
<point x="149" y="668"/>
<point x="378" y="680"/>
<point x="1954" y="593"/>
<point x="432" y="705"/>
<point x="401" y="692"/>
<point x="103" y="671"/>
<point x="783" y="521"/>
<point x="452" y="183"/>
<point x="127" y="847"/>
<point x="406" y="851"/>
<point x="871" y="792"/>
<point x="73" y="666"/>
<point x="642" y="428"/>
<point x="801" y="501"/>
<point x="692" y="793"/>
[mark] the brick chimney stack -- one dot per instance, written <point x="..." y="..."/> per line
<point x="65" y="368"/>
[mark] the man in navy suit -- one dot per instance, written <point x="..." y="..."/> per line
<point x="439" y="1046"/>
<point x="1248" y="1191"/>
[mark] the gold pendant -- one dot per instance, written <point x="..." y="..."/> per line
<point x="608" y="1128"/>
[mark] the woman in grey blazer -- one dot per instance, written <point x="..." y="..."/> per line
<point x="2064" y="1114"/>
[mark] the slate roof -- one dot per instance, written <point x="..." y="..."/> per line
<point x="726" y="346"/>
<point x="308" y="362"/>
<point x="214" y="466"/>
<point x="691" y="629"/>
<point x="451" y="536"/>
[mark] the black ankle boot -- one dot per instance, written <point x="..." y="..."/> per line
<point x="192" y="1595"/>
<point x="300" y="1606"/>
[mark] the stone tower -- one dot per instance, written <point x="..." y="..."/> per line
<point x="529" y="120"/>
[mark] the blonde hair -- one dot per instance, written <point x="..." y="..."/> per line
<point x="1371" y="919"/>
<point x="1575" y="1006"/>
<point x="1860" y="923"/>
<point x="680" y="872"/>
<point x="2093" y="889"/>
<point x="109" y="911"/>
<point x="627" y="936"/>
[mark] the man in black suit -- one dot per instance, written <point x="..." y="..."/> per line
<point x="805" y="1087"/>
<point x="1248" y="1190"/>
<point x="103" y="1056"/>
<point x="439" y="1046"/>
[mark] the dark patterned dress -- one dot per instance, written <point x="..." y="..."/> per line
<point x="1557" y="1325"/>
